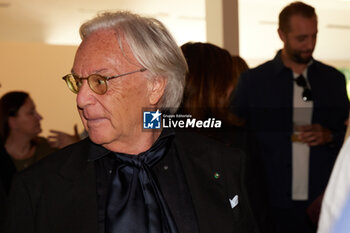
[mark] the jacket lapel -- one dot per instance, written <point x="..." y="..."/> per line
<point x="207" y="185"/>
<point x="72" y="194"/>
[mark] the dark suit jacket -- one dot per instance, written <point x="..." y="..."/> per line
<point x="59" y="193"/>
<point x="264" y="98"/>
<point x="3" y="198"/>
<point x="7" y="169"/>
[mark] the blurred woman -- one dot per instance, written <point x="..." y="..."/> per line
<point x="19" y="129"/>
<point x="210" y="81"/>
<point x="212" y="77"/>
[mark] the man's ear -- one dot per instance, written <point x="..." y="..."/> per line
<point x="156" y="88"/>
<point x="282" y="35"/>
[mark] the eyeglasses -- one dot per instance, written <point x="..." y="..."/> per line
<point x="97" y="83"/>
<point x="301" y="82"/>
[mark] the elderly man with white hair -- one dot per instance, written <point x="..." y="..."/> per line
<point x="123" y="178"/>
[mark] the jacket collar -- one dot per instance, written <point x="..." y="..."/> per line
<point x="279" y="65"/>
<point x="79" y="160"/>
<point x="87" y="153"/>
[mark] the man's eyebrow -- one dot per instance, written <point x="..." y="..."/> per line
<point x="302" y="36"/>
<point x="99" y="71"/>
<point x="94" y="72"/>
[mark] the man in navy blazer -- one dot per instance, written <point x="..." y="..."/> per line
<point x="297" y="106"/>
<point x="128" y="176"/>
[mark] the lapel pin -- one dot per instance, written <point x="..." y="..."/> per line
<point x="216" y="175"/>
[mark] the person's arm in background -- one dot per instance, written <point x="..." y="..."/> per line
<point x="59" y="139"/>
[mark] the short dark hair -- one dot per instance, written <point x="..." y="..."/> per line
<point x="295" y="8"/>
<point x="10" y="103"/>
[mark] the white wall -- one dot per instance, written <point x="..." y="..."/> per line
<point x="38" y="69"/>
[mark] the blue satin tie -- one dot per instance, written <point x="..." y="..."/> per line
<point x="135" y="203"/>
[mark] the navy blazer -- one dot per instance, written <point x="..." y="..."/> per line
<point x="264" y="98"/>
<point x="58" y="194"/>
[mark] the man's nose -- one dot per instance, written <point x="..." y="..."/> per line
<point x="40" y="117"/>
<point x="84" y="95"/>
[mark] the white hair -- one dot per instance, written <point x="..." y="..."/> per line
<point x="152" y="45"/>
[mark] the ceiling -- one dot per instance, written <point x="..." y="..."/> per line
<point x="58" y="21"/>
